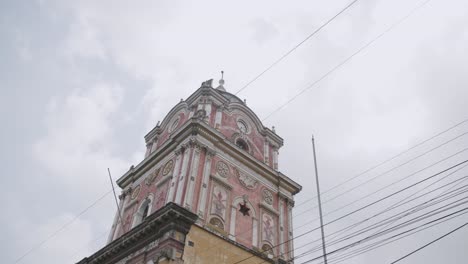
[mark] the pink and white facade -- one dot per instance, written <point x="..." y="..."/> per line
<point x="212" y="155"/>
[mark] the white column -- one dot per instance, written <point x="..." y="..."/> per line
<point x="181" y="184"/>
<point x="149" y="146"/>
<point x="275" y="158"/>
<point x="175" y="176"/>
<point x="232" y="227"/>
<point x="266" y="153"/>
<point x="191" y="181"/>
<point x="290" y="233"/>
<point x="254" y="232"/>
<point x="205" y="180"/>
<point x="219" y="114"/>
<point x="155" y="144"/>
<point x="281" y="234"/>
<point x="208" y="112"/>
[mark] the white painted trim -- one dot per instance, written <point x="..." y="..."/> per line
<point x="204" y="186"/>
<point x="192" y="179"/>
<point x="175" y="177"/>
<point x="281" y="227"/>
<point x="232" y="223"/>
<point x="182" y="177"/>
<point x="254" y="232"/>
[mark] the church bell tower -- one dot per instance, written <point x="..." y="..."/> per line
<point x="208" y="190"/>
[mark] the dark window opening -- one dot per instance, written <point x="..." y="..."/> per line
<point x="242" y="144"/>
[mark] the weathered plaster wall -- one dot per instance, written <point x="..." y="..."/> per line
<point x="209" y="248"/>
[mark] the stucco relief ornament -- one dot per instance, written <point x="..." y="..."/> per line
<point x="267" y="197"/>
<point x="168" y="167"/>
<point x="222" y="168"/>
<point x="152" y="177"/>
<point x="246" y="181"/>
<point x="136" y="191"/>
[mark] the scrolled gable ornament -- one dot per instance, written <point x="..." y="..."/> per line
<point x="246" y="181"/>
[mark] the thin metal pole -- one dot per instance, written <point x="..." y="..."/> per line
<point x="319" y="204"/>
<point x="115" y="196"/>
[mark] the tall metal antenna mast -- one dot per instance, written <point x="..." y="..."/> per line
<point x="115" y="196"/>
<point x="319" y="204"/>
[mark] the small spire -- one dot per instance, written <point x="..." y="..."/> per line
<point x="273" y="128"/>
<point x="221" y="83"/>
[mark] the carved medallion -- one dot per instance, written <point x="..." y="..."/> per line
<point x="267" y="197"/>
<point x="136" y="191"/>
<point x="246" y="181"/>
<point x="168" y="167"/>
<point x="174" y="124"/>
<point x="222" y="168"/>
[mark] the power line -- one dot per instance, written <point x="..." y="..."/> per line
<point x="408" y="200"/>
<point x="347" y="59"/>
<point x="389" y="159"/>
<point x="61" y="228"/>
<point x="379" y="244"/>
<point x="376" y="235"/>
<point x="409" y="211"/>
<point x="366" y="206"/>
<point x="297" y="46"/>
<point x="394" y="168"/>
<point x="434" y="201"/>
<point x="398" y="216"/>
<point x="393" y="183"/>
<point x="430" y="243"/>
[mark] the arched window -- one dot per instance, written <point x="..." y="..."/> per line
<point x="143" y="211"/>
<point x="242" y="144"/>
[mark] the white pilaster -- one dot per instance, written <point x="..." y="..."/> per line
<point x="219" y="114"/>
<point x="266" y="152"/>
<point x="254" y="232"/>
<point x="175" y="177"/>
<point x="191" y="181"/>
<point x="275" y="159"/>
<point x="181" y="181"/>
<point x="232" y="227"/>
<point x="281" y="234"/>
<point x="290" y="233"/>
<point x="208" y="111"/>
<point x="204" y="187"/>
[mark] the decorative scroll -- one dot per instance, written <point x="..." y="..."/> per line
<point x="246" y="181"/>
<point x="152" y="176"/>
<point x="168" y="167"/>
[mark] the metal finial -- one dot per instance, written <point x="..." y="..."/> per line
<point x="221" y="83"/>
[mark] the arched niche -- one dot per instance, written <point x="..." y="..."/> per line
<point x="144" y="210"/>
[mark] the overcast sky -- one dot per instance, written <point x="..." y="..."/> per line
<point x="83" y="81"/>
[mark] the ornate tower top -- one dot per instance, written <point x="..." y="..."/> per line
<point x="212" y="156"/>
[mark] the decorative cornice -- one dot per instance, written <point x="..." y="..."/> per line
<point x="170" y="218"/>
<point x="268" y="208"/>
<point x="217" y="141"/>
<point x="221" y="181"/>
<point x="163" y="180"/>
